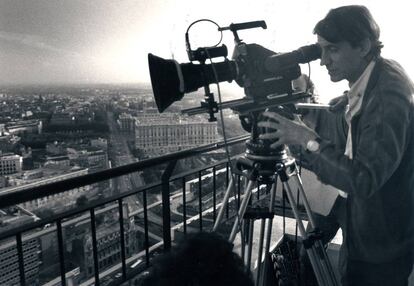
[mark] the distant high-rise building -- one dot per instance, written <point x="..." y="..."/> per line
<point x="10" y="163"/>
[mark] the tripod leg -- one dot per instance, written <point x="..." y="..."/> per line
<point x="224" y="204"/>
<point x="243" y="240"/>
<point x="269" y="232"/>
<point x="242" y="210"/>
<point x="250" y="244"/>
<point x="311" y="251"/>
<point x="324" y="257"/>
<point x="260" y="251"/>
<point x="304" y="199"/>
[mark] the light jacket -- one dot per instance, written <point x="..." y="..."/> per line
<point x="379" y="179"/>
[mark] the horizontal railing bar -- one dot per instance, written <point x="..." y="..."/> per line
<point x="96" y="204"/>
<point x="73" y="212"/>
<point x="10" y="197"/>
<point x="203" y="168"/>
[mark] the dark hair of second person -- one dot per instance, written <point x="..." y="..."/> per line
<point x="200" y="259"/>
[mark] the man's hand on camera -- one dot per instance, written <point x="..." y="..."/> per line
<point x="339" y="103"/>
<point x="286" y="131"/>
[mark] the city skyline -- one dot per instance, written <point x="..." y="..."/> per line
<point x="49" y="137"/>
<point x="93" y="42"/>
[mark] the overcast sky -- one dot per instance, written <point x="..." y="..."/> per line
<point x="88" y="41"/>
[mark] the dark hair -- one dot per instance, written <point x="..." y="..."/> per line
<point x="353" y="24"/>
<point x="200" y="259"/>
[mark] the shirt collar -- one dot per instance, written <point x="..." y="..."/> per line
<point x="357" y="89"/>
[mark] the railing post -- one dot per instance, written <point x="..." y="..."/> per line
<point x="94" y="247"/>
<point x="214" y="194"/>
<point x="122" y="237"/>
<point x="61" y="248"/>
<point x="184" y="207"/>
<point x="166" y="213"/>
<point x="200" y="202"/>
<point x="146" y="241"/>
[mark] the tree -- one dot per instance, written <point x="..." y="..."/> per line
<point x="44" y="213"/>
<point x="82" y="201"/>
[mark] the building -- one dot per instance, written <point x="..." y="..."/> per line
<point x="92" y="158"/>
<point x="192" y="186"/>
<point x="3" y="182"/>
<point x="14" y="216"/>
<point x="25" y="126"/>
<point x="9" y="266"/>
<point x="58" y="160"/>
<point x="47" y="176"/>
<point x="71" y="278"/>
<point x="10" y="163"/>
<point x="126" y="122"/>
<point x="56" y="148"/>
<point x="109" y="248"/>
<point x="62" y="118"/>
<point x="100" y="143"/>
<point x="158" y="135"/>
<point x="2" y="129"/>
<point x="108" y="241"/>
<point x="97" y="160"/>
<point x="41" y="247"/>
<point x="8" y="143"/>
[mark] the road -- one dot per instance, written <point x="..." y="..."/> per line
<point x="122" y="155"/>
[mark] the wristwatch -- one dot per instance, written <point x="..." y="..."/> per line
<point x="313" y="145"/>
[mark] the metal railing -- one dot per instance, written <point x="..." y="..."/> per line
<point x="60" y="220"/>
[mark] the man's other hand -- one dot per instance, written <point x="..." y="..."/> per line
<point x="339" y="103"/>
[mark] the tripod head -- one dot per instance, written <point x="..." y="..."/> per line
<point x="259" y="156"/>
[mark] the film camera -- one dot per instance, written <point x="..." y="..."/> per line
<point x="265" y="76"/>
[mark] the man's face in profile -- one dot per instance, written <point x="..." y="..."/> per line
<point x="342" y="60"/>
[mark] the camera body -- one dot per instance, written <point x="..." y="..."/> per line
<point x="258" y="83"/>
<point x="265" y="76"/>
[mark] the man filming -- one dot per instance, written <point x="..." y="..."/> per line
<point x="373" y="163"/>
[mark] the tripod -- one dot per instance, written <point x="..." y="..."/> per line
<point x="262" y="167"/>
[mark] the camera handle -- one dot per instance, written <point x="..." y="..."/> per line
<point x="243" y="26"/>
<point x="202" y="54"/>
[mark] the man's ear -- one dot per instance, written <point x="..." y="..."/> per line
<point x="365" y="46"/>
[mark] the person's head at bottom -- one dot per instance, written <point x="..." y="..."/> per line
<point x="200" y="259"/>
